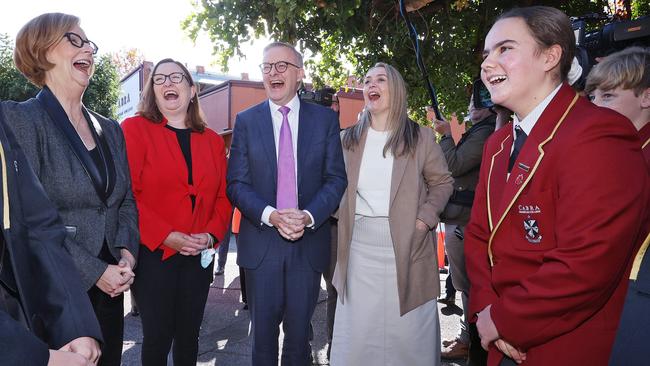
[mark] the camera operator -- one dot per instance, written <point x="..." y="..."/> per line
<point x="464" y="161"/>
<point x="329" y="272"/>
<point x="621" y="81"/>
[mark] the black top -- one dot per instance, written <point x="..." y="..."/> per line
<point x="183" y="137"/>
<point x="105" y="253"/>
<point x="99" y="162"/>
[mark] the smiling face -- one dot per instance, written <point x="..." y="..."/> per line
<point x="375" y="91"/>
<point x="73" y="66"/>
<point x="172" y="98"/>
<point x="282" y="87"/>
<point x="518" y="74"/>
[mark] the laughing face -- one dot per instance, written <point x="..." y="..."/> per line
<point x="173" y="95"/>
<point x="514" y="69"/>
<point x="281" y="87"/>
<point x="375" y="91"/>
<point x="71" y="63"/>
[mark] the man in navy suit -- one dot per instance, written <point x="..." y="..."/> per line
<point x="286" y="175"/>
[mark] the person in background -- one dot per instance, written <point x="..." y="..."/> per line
<point x="80" y="159"/>
<point x="222" y="253"/>
<point x="386" y="272"/>
<point x="621" y="81"/>
<point x="286" y="175"/>
<point x="178" y="168"/>
<point x="236" y="221"/>
<point x="450" y="290"/>
<point x="559" y="208"/>
<point x="464" y="161"/>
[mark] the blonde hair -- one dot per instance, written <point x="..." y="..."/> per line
<point x="148" y="108"/>
<point x="35" y="39"/>
<point x="404" y="133"/>
<point x="628" y="69"/>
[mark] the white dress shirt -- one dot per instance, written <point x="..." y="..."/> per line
<point x="530" y="120"/>
<point x="293" y="117"/>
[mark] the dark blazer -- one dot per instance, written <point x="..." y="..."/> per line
<point x="464" y="161"/>
<point x="89" y="219"/>
<point x="631" y="343"/>
<point x="420" y="187"/>
<point x="159" y="176"/>
<point x="252" y="180"/>
<point x="551" y="247"/>
<point x="54" y="304"/>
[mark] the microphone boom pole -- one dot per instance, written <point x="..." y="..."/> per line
<point x="418" y="58"/>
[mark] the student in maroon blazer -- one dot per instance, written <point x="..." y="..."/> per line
<point x="551" y="238"/>
<point x="178" y="169"/>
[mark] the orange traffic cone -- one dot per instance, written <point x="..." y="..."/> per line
<point x="441" y="246"/>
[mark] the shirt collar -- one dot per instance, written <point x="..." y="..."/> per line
<point x="294" y="105"/>
<point x="530" y="120"/>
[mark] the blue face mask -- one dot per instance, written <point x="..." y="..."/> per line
<point x="207" y="256"/>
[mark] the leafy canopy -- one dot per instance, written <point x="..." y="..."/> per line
<point x="349" y="36"/>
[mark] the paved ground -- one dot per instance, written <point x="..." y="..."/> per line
<point x="224" y="334"/>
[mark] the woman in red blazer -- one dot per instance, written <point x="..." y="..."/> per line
<point x="178" y="169"/>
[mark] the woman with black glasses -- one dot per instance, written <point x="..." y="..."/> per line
<point x="80" y="158"/>
<point x="178" y="168"/>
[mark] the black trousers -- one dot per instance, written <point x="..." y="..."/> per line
<point x="171" y="297"/>
<point x="110" y="314"/>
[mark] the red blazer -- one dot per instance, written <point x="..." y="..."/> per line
<point x="550" y="248"/>
<point x="159" y="176"/>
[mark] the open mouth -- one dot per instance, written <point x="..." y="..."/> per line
<point x="496" y="79"/>
<point x="373" y="96"/>
<point x="277" y="84"/>
<point x="170" y="95"/>
<point x="82" y="65"/>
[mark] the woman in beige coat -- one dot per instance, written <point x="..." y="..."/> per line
<point x="386" y="272"/>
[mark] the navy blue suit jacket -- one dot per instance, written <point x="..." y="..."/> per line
<point x="252" y="180"/>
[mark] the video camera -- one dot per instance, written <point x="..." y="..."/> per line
<point x="611" y="37"/>
<point x="321" y="96"/>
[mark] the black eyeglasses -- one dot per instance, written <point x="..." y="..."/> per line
<point x="79" y="42"/>
<point x="174" y="77"/>
<point x="280" y="66"/>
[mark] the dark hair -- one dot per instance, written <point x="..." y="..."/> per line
<point x="404" y="133"/>
<point x="149" y="109"/>
<point x="549" y="26"/>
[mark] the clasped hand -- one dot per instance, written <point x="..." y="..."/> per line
<point x="488" y="333"/>
<point x="290" y="222"/>
<point x="118" y="278"/>
<point x="187" y="244"/>
<point x="82" y="351"/>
